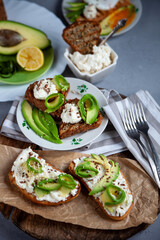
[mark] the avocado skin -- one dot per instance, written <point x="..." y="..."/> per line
<point x="31" y="36"/>
<point x="27" y="113"/>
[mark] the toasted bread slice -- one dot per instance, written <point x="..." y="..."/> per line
<point x="20" y="176"/>
<point x="82" y="36"/>
<point x="29" y="96"/>
<point x="116" y="215"/>
<point x="67" y="129"/>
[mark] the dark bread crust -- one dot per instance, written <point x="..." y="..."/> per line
<point x="71" y="169"/>
<point x="29" y="96"/>
<point x="82" y="35"/>
<point x="33" y="197"/>
<point x="67" y="129"/>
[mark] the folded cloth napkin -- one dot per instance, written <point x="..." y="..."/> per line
<point x="152" y="111"/>
<point x="108" y="143"/>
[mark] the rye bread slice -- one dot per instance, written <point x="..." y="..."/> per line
<point x="82" y="36"/>
<point x="67" y="129"/>
<point x="29" y="96"/>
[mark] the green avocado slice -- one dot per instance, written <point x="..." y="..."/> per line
<point x="40" y="192"/>
<point x="89" y="108"/>
<point x="54" y="102"/>
<point x="48" y="184"/>
<point x="116" y="195"/>
<point x="60" y="83"/>
<point x="107" y="179"/>
<point x="50" y="124"/>
<point x="14" y="36"/>
<point x="27" y="114"/>
<point x="106" y="22"/>
<point x="39" y="124"/>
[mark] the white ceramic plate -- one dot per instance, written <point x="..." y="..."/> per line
<point x="39" y="17"/>
<point x="77" y="89"/>
<point x="136" y="3"/>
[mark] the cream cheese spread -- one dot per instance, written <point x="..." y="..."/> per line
<point x="90" y="11"/>
<point x="102" y="4"/>
<point x="43" y="89"/>
<point x="92" y="63"/>
<point x="91" y="182"/>
<point x="70" y="114"/>
<point x="117" y="210"/>
<point x="25" y="179"/>
<point x="120" y="209"/>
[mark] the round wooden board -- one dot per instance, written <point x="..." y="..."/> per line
<point x="41" y="228"/>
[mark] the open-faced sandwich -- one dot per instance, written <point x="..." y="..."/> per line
<point x="106" y="183"/>
<point x="52" y="117"/>
<point x="40" y="92"/>
<point x="79" y="116"/>
<point x="40" y="182"/>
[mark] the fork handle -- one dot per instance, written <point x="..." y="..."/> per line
<point x="155" y="155"/>
<point x="154" y="167"/>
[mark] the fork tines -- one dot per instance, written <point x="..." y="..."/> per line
<point x="128" y="120"/>
<point x="139" y="113"/>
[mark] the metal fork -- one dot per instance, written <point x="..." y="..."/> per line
<point x="132" y="132"/>
<point x="142" y="126"/>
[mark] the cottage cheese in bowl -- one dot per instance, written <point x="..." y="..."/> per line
<point x="92" y="67"/>
<point x="92" y="63"/>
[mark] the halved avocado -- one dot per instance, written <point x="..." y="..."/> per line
<point x="14" y="36"/>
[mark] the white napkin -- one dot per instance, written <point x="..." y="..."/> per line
<point x="152" y="112"/>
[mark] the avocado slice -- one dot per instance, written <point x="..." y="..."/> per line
<point x="48" y="184"/>
<point x="64" y="191"/>
<point x="50" y="124"/>
<point x="39" y="124"/>
<point x="60" y="83"/>
<point x="113" y="18"/>
<point x="107" y="179"/>
<point x="27" y="113"/>
<point x="116" y="194"/>
<point x="113" y="195"/>
<point x="101" y="159"/>
<point x="88" y="107"/>
<point x="14" y="36"/>
<point x="40" y="192"/>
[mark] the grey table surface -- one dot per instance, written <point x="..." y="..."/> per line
<point x="138" y="68"/>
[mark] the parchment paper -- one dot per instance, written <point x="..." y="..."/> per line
<point x="83" y="210"/>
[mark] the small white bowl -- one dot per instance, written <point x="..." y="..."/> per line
<point x="94" y="77"/>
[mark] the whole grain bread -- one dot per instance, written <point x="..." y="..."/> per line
<point x="33" y="197"/>
<point x="68" y="129"/>
<point x="82" y="36"/>
<point x="29" y="96"/>
<point x="72" y="171"/>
